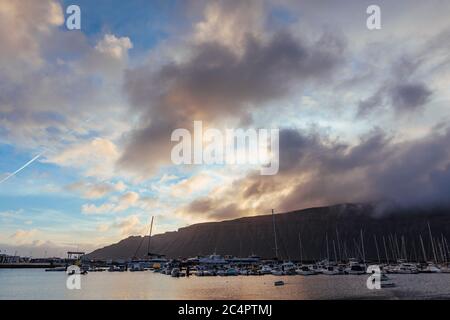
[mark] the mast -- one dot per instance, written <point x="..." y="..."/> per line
<point x="399" y="256"/>
<point x="385" y="250"/>
<point x="275" y="234"/>
<point x="415" y="252"/>
<point x="376" y="247"/>
<point x="334" y="249"/>
<point x="150" y="237"/>
<point x="443" y="249"/>
<point x="432" y="242"/>
<point x="362" y="246"/>
<point x="300" y="245"/>
<point x="405" y="254"/>
<point x="423" y="248"/>
<point x="446" y="249"/>
<point x="391" y="244"/>
<point x="338" y="244"/>
<point x="328" y="251"/>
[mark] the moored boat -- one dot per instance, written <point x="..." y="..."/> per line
<point x="305" y="271"/>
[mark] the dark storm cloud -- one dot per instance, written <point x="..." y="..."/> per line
<point x="410" y="96"/>
<point x="217" y="82"/>
<point x="379" y="169"/>
<point x="400" y="92"/>
<point x="402" y="98"/>
<point x="315" y="171"/>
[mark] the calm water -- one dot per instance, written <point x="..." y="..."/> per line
<point x="38" y="284"/>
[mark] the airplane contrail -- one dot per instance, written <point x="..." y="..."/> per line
<point x="36" y="157"/>
<point x="21" y="168"/>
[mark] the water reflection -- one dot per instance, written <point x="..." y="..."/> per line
<point x="37" y="284"/>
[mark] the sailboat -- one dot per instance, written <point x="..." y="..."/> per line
<point x="151" y="260"/>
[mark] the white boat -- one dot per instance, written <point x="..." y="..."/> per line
<point x="244" y="272"/>
<point x="277" y="272"/>
<point x="136" y="267"/>
<point x="445" y="269"/>
<point x="208" y="273"/>
<point x="175" y="272"/>
<point x="199" y="273"/>
<point x="212" y="259"/>
<point x="231" y="272"/>
<point x="167" y="271"/>
<point x="305" y="271"/>
<point x="355" y="268"/>
<point x="331" y="271"/>
<point x="405" y="268"/>
<point x="288" y="268"/>
<point x="115" y="268"/>
<point x="431" y="268"/>
<point x="265" y="269"/>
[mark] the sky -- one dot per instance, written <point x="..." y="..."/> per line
<point x="86" y="115"/>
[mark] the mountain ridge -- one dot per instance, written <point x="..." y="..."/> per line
<point x="341" y="224"/>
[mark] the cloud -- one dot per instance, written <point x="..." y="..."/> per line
<point x="96" y="190"/>
<point x="194" y="184"/>
<point x="96" y="157"/>
<point x="410" y="96"/>
<point x="24" y="236"/>
<point x="41" y="248"/>
<point x="124" y="202"/>
<point x="230" y="23"/>
<point x="126" y="226"/>
<point x="129" y="226"/>
<point x="400" y="89"/>
<point x="214" y="83"/>
<point x="53" y="81"/>
<point x="114" y="47"/>
<point x="31" y="21"/>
